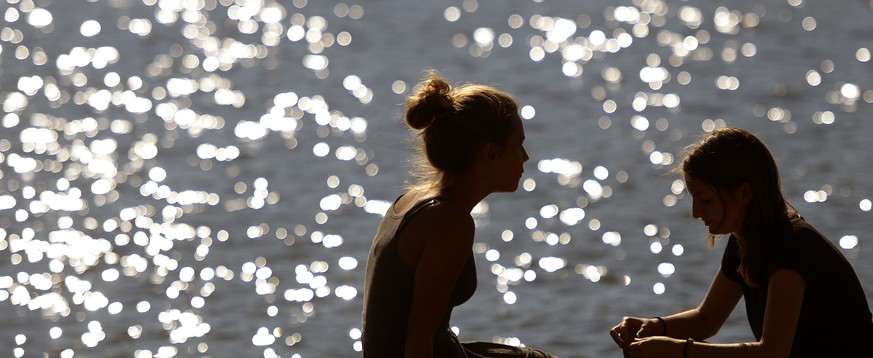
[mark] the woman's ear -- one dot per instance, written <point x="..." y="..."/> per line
<point x="489" y="152"/>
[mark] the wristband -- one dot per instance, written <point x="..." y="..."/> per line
<point x="688" y="343"/>
<point x="663" y="325"/>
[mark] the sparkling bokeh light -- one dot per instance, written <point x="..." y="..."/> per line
<point x="204" y="177"/>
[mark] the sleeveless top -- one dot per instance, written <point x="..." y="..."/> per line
<point x="835" y="320"/>
<point x="389" y="286"/>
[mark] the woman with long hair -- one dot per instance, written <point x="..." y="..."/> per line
<point x="803" y="298"/>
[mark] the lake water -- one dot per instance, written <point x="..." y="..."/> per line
<point x="204" y="177"/>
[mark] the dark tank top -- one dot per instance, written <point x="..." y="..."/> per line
<point x="388" y="290"/>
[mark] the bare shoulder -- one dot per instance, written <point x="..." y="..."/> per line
<point x="441" y="210"/>
<point x="441" y="229"/>
<point x="449" y="211"/>
<point x="443" y="220"/>
<point x="446" y="232"/>
<point x="447" y="217"/>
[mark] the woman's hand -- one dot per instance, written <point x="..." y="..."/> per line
<point x="655" y="347"/>
<point x="632" y="328"/>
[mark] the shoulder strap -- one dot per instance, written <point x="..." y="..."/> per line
<point x="418" y="207"/>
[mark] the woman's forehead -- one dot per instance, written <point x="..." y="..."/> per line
<point x="695" y="185"/>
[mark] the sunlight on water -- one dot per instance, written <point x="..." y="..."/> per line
<point x="178" y="177"/>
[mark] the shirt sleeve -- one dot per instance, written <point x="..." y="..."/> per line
<point x="730" y="261"/>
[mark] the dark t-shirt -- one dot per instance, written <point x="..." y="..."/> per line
<point x="835" y="320"/>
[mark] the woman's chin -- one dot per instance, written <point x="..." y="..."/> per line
<point x="714" y="231"/>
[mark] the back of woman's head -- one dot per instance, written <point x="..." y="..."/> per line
<point x="454" y="123"/>
<point x="725" y="159"/>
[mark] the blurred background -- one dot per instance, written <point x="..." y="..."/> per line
<point x="204" y="177"/>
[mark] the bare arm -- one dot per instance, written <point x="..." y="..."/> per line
<point x="784" y="301"/>
<point x="449" y="237"/>
<point x="699" y="323"/>
<point x="706" y="320"/>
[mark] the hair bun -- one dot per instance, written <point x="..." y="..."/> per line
<point x="439" y="101"/>
<point x="432" y="100"/>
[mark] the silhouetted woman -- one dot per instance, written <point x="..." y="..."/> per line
<point x="803" y="299"/>
<point x="421" y="264"/>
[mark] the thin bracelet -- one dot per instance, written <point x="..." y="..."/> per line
<point x="688" y="342"/>
<point x="663" y="325"/>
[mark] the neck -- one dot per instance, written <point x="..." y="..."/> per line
<point x="464" y="192"/>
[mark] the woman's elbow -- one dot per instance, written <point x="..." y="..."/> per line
<point x="708" y="326"/>
<point x="773" y="349"/>
<point x="707" y="333"/>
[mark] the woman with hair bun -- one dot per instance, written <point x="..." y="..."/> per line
<point x="421" y="265"/>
